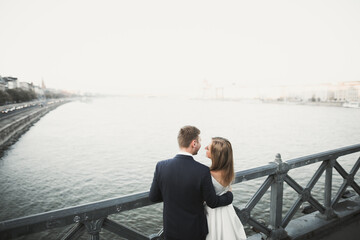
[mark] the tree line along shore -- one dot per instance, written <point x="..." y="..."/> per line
<point x="18" y="95"/>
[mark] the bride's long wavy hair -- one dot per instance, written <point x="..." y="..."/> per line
<point x="222" y="158"/>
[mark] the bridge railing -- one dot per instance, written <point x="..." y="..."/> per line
<point x="93" y="217"/>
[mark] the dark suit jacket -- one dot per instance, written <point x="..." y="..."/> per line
<point x="183" y="185"/>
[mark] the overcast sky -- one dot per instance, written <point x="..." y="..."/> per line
<point x="173" y="46"/>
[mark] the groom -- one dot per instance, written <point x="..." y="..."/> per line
<point x="183" y="184"/>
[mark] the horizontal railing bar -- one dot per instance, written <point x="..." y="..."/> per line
<point x="318" y="157"/>
<point x="254" y="173"/>
<point x="262" y="171"/>
<point x="66" y="216"/>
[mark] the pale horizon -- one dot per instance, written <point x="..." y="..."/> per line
<point x="167" y="48"/>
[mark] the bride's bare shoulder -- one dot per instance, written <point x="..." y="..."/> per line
<point x="218" y="176"/>
<point x="215" y="173"/>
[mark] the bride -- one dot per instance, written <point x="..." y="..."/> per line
<point x="223" y="223"/>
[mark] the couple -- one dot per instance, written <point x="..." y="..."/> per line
<point x="184" y="184"/>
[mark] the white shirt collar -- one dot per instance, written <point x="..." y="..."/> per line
<point x="185" y="153"/>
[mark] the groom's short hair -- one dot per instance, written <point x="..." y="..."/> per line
<point x="186" y="135"/>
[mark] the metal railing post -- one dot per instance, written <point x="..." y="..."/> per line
<point x="329" y="211"/>
<point x="94" y="227"/>
<point x="276" y="199"/>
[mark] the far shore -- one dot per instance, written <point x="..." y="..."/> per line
<point x="326" y="104"/>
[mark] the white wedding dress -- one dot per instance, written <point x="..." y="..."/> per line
<point x="223" y="223"/>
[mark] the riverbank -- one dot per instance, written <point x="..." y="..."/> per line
<point x="13" y="125"/>
<point x="275" y="101"/>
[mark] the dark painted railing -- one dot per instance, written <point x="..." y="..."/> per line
<point x="93" y="217"/>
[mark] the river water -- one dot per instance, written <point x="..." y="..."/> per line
<point x="108" y="147"/>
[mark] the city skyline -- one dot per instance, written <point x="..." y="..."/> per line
<point x="171" y="48"/>
<point x="338" y="92"/>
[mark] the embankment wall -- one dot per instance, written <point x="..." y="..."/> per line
<point x="10" y="131"/>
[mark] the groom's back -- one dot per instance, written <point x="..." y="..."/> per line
<point x="180" y="180"/>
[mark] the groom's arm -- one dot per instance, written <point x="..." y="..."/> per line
<point x="155" y="192"/>
<point x="209" y="194"/>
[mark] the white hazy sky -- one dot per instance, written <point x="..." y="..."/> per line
<point x="172" y="46"/>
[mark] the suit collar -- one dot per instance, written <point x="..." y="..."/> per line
<point x="184" y="156"/>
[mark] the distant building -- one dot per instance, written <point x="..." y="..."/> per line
<point x="331" y="92"/>
<point x="2" y="84"/>
<point x="43" y="86"/>
<point x="39" y="91"/>
<point x="352" y="94"/>
<point x="11" y="82"/>
<point x="26" y="86"/>
<point x="340" y="92"/>
<point x="315" y="92"/>
<point x="348" y="91"/>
